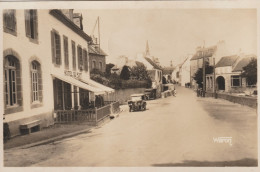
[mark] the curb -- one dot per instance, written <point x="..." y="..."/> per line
<point x="52" y="139"/>
<point x="46" y="141"/>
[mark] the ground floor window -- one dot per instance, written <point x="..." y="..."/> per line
<point x="235" y="81"/>
<point x="62" y="95"/>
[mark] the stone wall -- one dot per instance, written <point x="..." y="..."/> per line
<point x="247" y="101"/>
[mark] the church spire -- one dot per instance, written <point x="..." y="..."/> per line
<point x="147" y="50"/>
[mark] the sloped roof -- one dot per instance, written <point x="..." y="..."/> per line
<point x="153" y="63"/>
<point x="70" y="24"/>
<point x="95" y="50"/>
<point x="204" y="52"/>
<point x="242" y="63"/>
<point x="227" y="61"/>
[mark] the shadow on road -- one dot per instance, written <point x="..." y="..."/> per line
<point x="246" y="162"/>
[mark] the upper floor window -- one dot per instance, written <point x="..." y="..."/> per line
<point x="66" y="51"/>
<point x="235" y="81"/>
<point x="9" y="18"/>
<point x="56" y="47"/>
<point x="80" y="58"/>
<point x="73" y="54"/>
<point x="85" y="56"/>
<point x="31" y="24"/>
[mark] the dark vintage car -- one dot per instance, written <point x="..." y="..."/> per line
<point x="150" y="93"/>
<point x="137" y="102"/>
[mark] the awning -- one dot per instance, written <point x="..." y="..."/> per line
<point x="98" y="85"/>
<point x="73" y="81"/>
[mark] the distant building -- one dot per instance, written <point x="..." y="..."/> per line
<point x="209" y="53"/>
<point x="97" y="58"/>
<point x="228" y="74"/>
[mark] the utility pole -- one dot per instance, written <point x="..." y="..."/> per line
<point x="204" y="73"/>
<point x="214" y="68"/>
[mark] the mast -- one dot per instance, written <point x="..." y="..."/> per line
<point x="98" y="34"/>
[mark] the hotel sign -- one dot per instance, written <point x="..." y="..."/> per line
<point x="73" y="74"/>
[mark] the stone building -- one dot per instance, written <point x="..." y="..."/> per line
<point x="228" y="75"/>
<point x="97" y="58"/>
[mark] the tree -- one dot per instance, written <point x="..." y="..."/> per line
<point x="198" y="76"/>
<point x="125" y="73"/>
<point x="250" y="72"/>
<point x="140" y="72"/>
<point x="108" y="69"/>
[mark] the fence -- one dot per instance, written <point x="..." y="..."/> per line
<point x="66" y="116"/>
<point x="103" y="112"/>
<point x="91" y="115"/>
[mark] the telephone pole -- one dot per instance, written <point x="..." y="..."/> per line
<point x="204" y="73"/>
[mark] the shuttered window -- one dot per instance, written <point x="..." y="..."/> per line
<point x="73" y="55"/>
<point x="85" y="56"/>
<point x="66" y="52"/>
<point x="56" y="47"/>
<point x="80" y="58"/>
<point x="31" y="24"/>
<point x="9" y="20"/>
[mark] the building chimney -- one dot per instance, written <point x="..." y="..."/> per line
<point x="77" y="19"/>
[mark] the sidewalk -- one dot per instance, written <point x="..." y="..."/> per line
<point x="52" y="133"/>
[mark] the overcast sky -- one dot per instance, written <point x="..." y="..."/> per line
<point x="172" y="33"/>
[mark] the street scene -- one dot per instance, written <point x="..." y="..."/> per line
<point x="130" y="87"/>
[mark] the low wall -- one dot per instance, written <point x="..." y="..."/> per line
<point x="247" y="101"/>
<point x="46" y="120"/>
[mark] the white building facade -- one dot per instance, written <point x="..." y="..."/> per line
<point x="46" y="68"/>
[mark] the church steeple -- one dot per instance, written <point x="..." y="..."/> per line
<point x="147" y="50"/>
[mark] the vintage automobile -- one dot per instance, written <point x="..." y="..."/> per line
<point x="137" y="102"/>
<point x="150" y="93"/>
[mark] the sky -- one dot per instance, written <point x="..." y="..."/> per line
<point x="172" y="33"/>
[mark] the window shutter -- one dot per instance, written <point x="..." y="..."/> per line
<point x="78" y="58"/>
<point x="35" y="22"/>
<point x="59" y="51"/>
<point x="27" y="23"/>
<point x="53" y="47"/>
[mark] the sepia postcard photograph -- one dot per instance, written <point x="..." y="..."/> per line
<point x="155" y="84"/>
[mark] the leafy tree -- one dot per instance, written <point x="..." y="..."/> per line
<point x="198" y="76"/>
<point x="97" y="72"/>
<point x="125" y="73"/>
<point x="250" y="72"/>
<point x="115" y="81"/>
<point x="140" y="72"/>
<point x="108" y="69"/>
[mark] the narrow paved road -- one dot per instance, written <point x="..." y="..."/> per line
<point x="175" y="131"/>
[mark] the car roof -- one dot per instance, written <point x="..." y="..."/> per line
<point x="136" y="95"/>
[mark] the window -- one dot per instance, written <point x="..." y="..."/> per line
<point x="35" y="83"/>
<point x="9" y="21"/>
<point x="235" y="81"/>
<point x="73" y="54"/>
<point x="66" y="52"/>
<point x="85" y="56"/>
<point x="10" y="83"/>
<point x="56" y="48"/>
<point x="93" y="64"/>
<point x="31" y="24"/>
<point x="100" y="65"/>
<point x="80" y="58"/>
